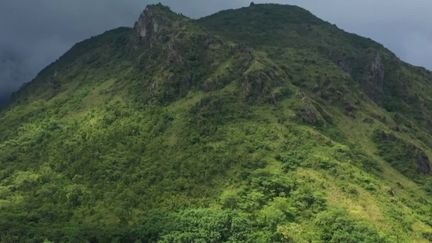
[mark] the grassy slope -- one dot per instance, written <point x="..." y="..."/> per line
<point x="219" y="143"/>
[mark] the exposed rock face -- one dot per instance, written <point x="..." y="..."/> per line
<point x="423" y="164"/>
<point x="375" y="77"/>
<point x="259" y="77"/>
<point x="308" y="112"/>
<point x="376" y="71"/>
<point x="256" y="84"/>
<point x="154" y="21"/>
<point x="406" y="157"/>
<point x="309" y="116"/>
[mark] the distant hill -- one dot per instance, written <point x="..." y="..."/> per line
<point x="259" y="124"/>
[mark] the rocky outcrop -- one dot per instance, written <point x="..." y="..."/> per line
<point x="156" y="23"/>
<point x="374" y="83"/>
<point x="260" y="78"/>
<point x="376" y="71"/>
<point x="406" y="157"/>
<point x="423" y="163"/>
<point x="255" y="85"/>
<point x="307" y="112"/>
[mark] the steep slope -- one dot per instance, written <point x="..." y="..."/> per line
<point x="262" y="124"/>
<point x="286" y="31"/>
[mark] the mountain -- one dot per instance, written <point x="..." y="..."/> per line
<point x="260" y="124"/>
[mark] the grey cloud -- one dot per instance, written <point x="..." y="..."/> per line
<point x="402" y="26"/>
<point x="35" y="33"/>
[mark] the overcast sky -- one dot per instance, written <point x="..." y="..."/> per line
<point x="34" y="33"/>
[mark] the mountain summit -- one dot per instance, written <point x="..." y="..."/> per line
<point x="259" y="124"/>
<point x="156" y="19"/>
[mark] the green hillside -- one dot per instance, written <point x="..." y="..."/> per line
<point x="261" y="124"/>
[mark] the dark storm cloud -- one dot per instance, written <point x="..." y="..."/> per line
<point x="35" y="33"/>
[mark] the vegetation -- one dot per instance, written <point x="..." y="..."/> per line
<point x="263" y="124"/>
